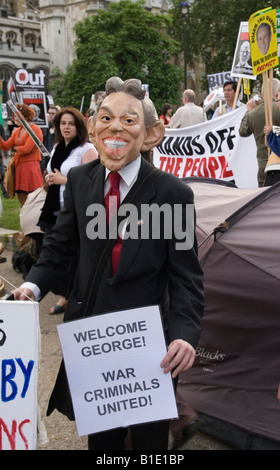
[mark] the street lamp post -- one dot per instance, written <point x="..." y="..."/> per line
<point x="185" y="6"/>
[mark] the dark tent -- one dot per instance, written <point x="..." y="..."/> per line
<point x="235" y="379"/>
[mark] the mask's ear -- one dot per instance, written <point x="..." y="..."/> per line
<point x="90" y="128"/>
<point x="154" y="136"/>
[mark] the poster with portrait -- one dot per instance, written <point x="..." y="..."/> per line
<point x="31" y="87"/>
<point x="278" y="33"/>
<point x="36" y="101"/>
<point x="242" y="61"/>
<point x="263" y="40"/>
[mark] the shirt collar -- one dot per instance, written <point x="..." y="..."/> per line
<point x="128" y="172"/>
<point x="237" y="105"/>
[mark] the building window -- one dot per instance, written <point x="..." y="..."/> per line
<point x="30" y="40"/>
<point x="11" y="38"/>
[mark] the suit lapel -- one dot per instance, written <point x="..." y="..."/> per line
<point x="94" y="189"/>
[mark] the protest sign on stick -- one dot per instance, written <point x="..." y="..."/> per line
<point x="263" y="42"/>
<point x="246" y="87"/>
<point x="28" y="129"/>
<point x="242" y="61"/>
<point x="113" y="369"/>
<point x="237" y="93"/>
<point x="216" y="80"/>
<point x="11" y="89"/>
<point x="19" y="329"/>
<point x="213" y="97"/>
<point x="31" y="87"/>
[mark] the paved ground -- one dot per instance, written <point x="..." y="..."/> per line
<point x="61" y="433"/>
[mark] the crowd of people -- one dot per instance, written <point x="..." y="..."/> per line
<point x="108" y="152"/>
<point x="253" y="123"/>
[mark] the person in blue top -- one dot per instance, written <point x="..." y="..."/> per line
<point x="272" y="139"/>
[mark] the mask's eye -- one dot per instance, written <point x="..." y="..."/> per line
<point x="105" y="118"/>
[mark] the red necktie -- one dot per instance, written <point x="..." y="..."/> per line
<point x="112" y="202"/>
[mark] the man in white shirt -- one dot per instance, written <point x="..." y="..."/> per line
<point x="229" y="94"/>
<point x="189" y="114"/>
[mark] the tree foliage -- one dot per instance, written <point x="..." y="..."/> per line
<point x="125" y="40"/>
<point x="212" y="29"/>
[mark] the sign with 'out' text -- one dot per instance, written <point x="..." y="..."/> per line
<point x="19" y="326"/>
<point x="113" y="368"/>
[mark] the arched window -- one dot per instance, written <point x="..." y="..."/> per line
<point x="31" y="40"/>
<point x="11" y="38"/>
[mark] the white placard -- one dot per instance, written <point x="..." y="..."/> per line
<point x="19" y="326"/>
<point x="113" y="368"/>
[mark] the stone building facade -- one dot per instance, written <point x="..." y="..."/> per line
<point x="20" y="40"/>
<point x="38" y="34"/>
<point x="58" y="17"/>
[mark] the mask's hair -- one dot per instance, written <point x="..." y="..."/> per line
<point x="132" y="87"/>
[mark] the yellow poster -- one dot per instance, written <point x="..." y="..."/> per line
<point x="263" y="40"/>
<point x="246" y="86"/>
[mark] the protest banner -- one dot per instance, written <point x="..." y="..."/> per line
<point x="113" y="369"/>
<point x="19" y="327"/>
<point x="31" y="87"/>
<point x="263" y="40"/>
<point x="213" y="149"/>
<point x="242" y="62"/>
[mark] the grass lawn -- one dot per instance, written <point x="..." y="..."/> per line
<point x="10" y="214"/>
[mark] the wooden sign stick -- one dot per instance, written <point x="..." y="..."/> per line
<point x="237" y="93"/>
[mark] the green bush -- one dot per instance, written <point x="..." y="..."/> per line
<point x="10" y="214"/>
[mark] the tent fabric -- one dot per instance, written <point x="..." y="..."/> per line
<point x="236" y="374"/>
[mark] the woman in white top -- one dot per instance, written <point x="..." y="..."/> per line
<point x="72" y="148"/>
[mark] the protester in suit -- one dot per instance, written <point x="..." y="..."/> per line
<point x="189" y="114"/>
<point x="151" y="271"/>
<point x="71" y="148"/>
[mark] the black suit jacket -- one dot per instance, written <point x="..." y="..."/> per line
<point x="150" y="271"/>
